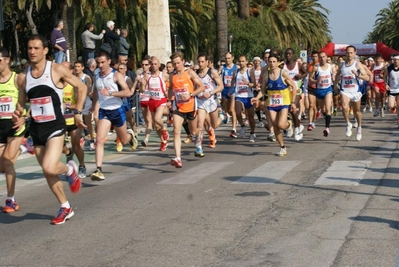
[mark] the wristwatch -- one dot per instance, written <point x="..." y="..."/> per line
<point x="77" y="111"/>
<point x="110" y="93"/>
<point x="191" y="94"/>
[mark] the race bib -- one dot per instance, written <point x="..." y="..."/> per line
<point x="276" y="100"/>
<point x="348" y="82"/>
<point x="155" y="94"/>
<point x="42" y="109"/>
<point x="178" y="95"/>
<point x="145" y="96"/>
<point x="6" y="107"/>
<point x="377" y="78"/>
<point x="227" y="80"/>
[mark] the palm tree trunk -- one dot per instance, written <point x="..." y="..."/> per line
<point x="221" y="27"/>
<point x="14" y="22"/>
<point x="68" y="16"/>
<point x="243" y="9"/>
<point x="32" y="24"/>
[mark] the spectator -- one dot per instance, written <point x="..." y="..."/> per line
<point x="124" y="46"/>
<point x="91" y="66"/>
<point x="88" y="41"/>
<point x="58" y="42"/>
<point x="110" y="37"/>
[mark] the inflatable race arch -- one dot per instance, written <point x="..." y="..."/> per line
<point x="333" y="49"/>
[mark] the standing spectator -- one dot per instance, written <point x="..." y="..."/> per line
<point x="110" y="37"/>
<point x="58" y="42"/>
<point x="124" y="46"/>
<point x="88" y="41"/>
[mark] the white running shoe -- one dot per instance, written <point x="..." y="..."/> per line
<point x="355" y="124"/>
<point x="301" y="128"/>
<point x="359" y="134"/>
<point x="282" y="152"/>
<point x="261" y="125"/>
<point x="252" y="138"/>
<point x="297" y="134"/>
<point x="290" y="131"/>
<point x="348" y="129"/>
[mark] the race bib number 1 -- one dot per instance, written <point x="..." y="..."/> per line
<point x="6" y="107"/>
<point x="42" y="109"/>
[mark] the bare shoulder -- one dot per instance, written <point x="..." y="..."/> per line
<point x="20" y="79"/>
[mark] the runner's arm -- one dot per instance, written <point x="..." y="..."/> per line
<point x="363" y="74"/>
<point x="197" y="82"/>
<point x="120" y="80"/>
<point x="218" y="81"/>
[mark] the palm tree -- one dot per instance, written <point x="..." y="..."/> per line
<point x="221" y="27"/>
<point x="243" y="9"/>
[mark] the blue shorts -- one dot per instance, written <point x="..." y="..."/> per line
<point x="246" y="101"/>
<point x="321" y="93"/>
<point x="126" y="105"/>
<point x="278" y="109"/>
<point x="225" y="93"/>
<point x="116" y="116"/>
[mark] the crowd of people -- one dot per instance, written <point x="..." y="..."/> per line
<point x="274" y="93"/>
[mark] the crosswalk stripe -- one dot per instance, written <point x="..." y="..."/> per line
<point x="268" y="173"/>
<point x="193" y="175"/>
<point x="344" y="173"/>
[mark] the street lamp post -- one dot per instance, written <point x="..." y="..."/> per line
<point x="230" y="41"/>
<point x="175" y="42"/>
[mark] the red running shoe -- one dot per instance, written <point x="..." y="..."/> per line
<point x="74" y="179"/>
<point x="176" y="162"/>
<point x="163" y="147"/>
<point x="165" y="135"/>
<point x="10" y="206"/>
<point x="63" y="215"/>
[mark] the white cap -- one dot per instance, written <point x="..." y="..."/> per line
<point x="256" y="58"/>
<point x="267" y="51"/>
<point x="370" y="59"/>
<point x="187" y="64"/>
<point x="110" y="23"/>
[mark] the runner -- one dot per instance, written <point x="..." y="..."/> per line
<point x="297" y="72"/>
<point x="10" y="139"/>
<point x="69" y="105"/>
<point x="227" y="103"/>
<point x="155" y="84"/>
<point x="207" y="101"/>
<point x="42" y="84"/>
<point x="379" y="86"/>
<point x="323" y="75"/>
<point x="144" y="100"/>
<point x="182" y="84"/>
<point x="392" y="78"/>
<point x="241" y="92"/>
<point x="348" y="73"/>
<point x="311" y="92"/>
<point x="260" y="105"/>
<point x="276" y="83"/>
<point x="109" y="98"/>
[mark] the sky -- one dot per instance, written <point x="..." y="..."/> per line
<point x="351" y="20"/>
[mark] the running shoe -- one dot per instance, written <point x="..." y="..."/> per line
<point x="119" y="146"/>
<point x="135" y="142"/>
<point x="82" y="142"/>
<point x="74" y="179"/>
<point x="63" y="215"/>
<point x="261" y="125"/>
<point x="271" y="137"/>
<point x="348" y="132"/>
<point x="28" y="143"/>
<point x="225" y="118"/>
<point x="97" y="175"/>
<point x="163" y="146"/>
<point x="187" y="140"/>
<point x="359" y="134"/>
<point x="355" y="124"/>
<point x="290" y="131"/>
<point x="282" y="152"/>
<point x="365" y="108"/>
<point x="211" y="133"/>
<point x="165" y="135"/>
<point x="326" y="132"/>
<point x="371" y="109"/>
<point x="252" y="138"/>
<point x="199" y="153"/>
<point x="92" y="146"/>
<point x="304" y="117"/>
<point x="10" y="206"/>
<point x="310" y="127"/>
<point x="335" y="112"/>
<point x="233" y="134"/>
<point x="176" y="162"/>
<point x="318" y="115"/>
<point x="212" y="143"/>
<point x="70" y="156"/>
<point x="382" y="113"/>
<point x="297" y="134"/>
<point x="144" y="143"/>
<point x="82" y="172"/>
<point x="301" y="128"/>
<point x="170" y="120"/>
<point x="393" y="110"/>
<point x="376" y="113"/>
<point x="242" y="131"/>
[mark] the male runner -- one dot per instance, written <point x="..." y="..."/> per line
<point x="379" y="86"/>
<point x="42" y="84"/>
<point x="312" y="93"/>
<point x="392" y="78"/>
<point x="227" y="104"/>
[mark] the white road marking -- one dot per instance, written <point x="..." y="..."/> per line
<point x="344" y="173"/>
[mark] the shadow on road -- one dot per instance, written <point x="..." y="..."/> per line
<point x="393" y="224"/>
<point x="6" y="218"/>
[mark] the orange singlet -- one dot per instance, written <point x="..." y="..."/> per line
<point x="183" y="85"/>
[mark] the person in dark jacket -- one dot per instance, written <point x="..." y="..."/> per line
<point x="111" y="37"/>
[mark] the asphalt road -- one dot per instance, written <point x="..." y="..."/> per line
<point x="329" y="202"/>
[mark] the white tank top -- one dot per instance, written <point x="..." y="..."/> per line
<point x="349" y="82"/>
<point x="144" y="96"/>
<point x="326" y="77"/>
<point x="293" y="72"/>
<point x="44" y="96"/>
<point x="208" y="82"/>
<point x="242" y="88"/>
<point x="107" y="82"/>
<point x="257" y="77"/>
<point x="156" y="87"/>
<point x="393" y="81"/>
<point x="376" y="73"/>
